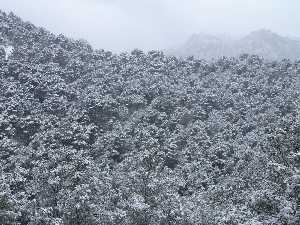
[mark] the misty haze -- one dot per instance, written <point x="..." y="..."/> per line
<point x="120" y="25"/>
<point x="149" y="112"/>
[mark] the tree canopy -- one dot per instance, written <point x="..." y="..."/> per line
<point x="91" y="137"/>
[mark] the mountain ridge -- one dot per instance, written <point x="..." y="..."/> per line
<point x="262" y="42"/>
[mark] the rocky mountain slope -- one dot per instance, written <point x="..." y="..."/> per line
<point x="264" y="43"/>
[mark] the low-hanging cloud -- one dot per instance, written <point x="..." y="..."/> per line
<point x="121" y="25"/>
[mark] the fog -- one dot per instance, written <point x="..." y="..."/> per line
<point x="120" y="25"/>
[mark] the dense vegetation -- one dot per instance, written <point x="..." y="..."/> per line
<point x="89" y="137"/>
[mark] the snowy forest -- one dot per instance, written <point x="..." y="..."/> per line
<point x="90" y="137"/>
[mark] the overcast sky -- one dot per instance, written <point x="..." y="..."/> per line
<point x="120" y="25"/>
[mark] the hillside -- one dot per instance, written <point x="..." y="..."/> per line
<point x="264" y="43"/>
<point x="94" y="138"/>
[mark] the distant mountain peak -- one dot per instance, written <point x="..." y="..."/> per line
<point x="262" y="42"/>
<point x="263" y="34"/>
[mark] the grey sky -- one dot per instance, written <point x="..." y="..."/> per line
<point x="155" y="24"/>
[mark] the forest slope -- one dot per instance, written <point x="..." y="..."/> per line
<point x="90" y="137"/>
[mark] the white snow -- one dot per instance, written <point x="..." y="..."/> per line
<point x="8" y="50"/>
